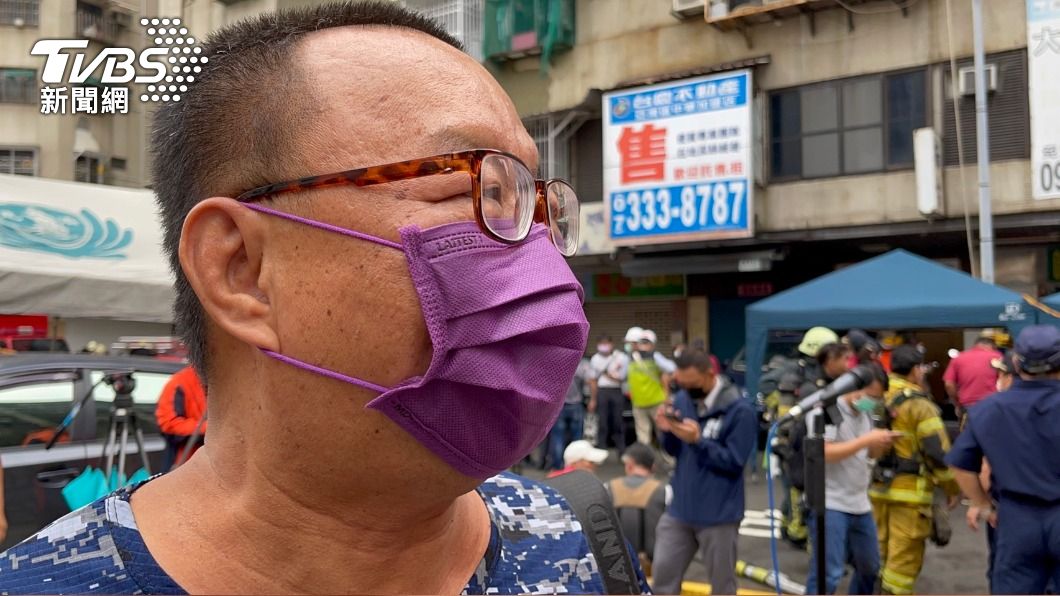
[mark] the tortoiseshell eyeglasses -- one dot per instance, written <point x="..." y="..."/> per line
<point x="507" y="199"/>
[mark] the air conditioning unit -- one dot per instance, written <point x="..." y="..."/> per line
<point x="687" y="8"/>
<point x="91" y="32"/>
<point x="966" y="79"/>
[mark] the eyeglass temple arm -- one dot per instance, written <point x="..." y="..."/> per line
<point x="360" y="177"/>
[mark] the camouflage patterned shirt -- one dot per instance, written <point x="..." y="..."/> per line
<point x="536" y="546"/>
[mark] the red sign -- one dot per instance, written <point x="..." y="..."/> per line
<point x="756" y="290"/>
<point x="643" y="154"/>
<point x="28" y="325"/>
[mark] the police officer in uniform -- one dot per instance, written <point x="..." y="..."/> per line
<point x="1019" y="431"/>
<point x="905" y="478"/>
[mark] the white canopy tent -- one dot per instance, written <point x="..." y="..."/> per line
<point x="77" y="250"/>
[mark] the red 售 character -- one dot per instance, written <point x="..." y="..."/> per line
<point x="643" y="153"/>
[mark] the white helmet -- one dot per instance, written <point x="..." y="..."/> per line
<point x="648" y="335"/>
<point x="634" y="334"/>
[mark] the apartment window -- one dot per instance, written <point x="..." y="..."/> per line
<point x="92" y="24"/>
<point x="88" y="168"/>
<point x="849" y="126"/>
<point x="18" y="85"/>
<point x="117" y="163"/>
<point x="19" y="12"/>
<point x="21" y="162"/>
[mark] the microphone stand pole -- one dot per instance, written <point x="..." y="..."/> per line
<point x="813" y="448"/>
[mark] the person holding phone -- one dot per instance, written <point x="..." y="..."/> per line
<point x="850" y="532"/>
<point x="711" y="430"/>
<point x="904" y="492"/>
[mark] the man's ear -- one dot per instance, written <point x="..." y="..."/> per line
<point x="221" y="248"/>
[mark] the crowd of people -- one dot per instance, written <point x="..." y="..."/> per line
<point x="892" y="471"/>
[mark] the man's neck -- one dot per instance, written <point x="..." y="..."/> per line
<point x="256" y="536"/>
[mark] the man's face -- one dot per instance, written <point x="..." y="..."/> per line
<point x="874" y="390"/>
<point x="645" y="346"/>
<point x="918" y="373"/>
<point x="373" y="96"/>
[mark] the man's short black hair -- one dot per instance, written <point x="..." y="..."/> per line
<point x="879" y="374"/>
<point x="605" y="338"/>
<point x="832" y="350"/>
<point x="697" y="359"/>
<point x="237" y="125"/>
<point x="905" y="358"/>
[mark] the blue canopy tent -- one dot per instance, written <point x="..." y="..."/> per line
<point x="1049" y="309"/>
<point x="897" y="290"/>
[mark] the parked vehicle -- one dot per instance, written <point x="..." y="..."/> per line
<point x="36" y="392"/>
<point x="161" y="347"/>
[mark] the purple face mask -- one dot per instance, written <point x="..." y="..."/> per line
<point x="508" y="330"/>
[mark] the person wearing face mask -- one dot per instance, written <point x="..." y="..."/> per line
<point x="608" y="369"/>
<point x="906" y="477"/>
<point x="832" y="360"/>
<point x="850" y="532"/>
<point x="366" y="201"/>
<point x="649" y="384"/>
<point x="711" y="430"/>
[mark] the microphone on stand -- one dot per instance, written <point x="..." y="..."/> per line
<point x="852" y="380"/>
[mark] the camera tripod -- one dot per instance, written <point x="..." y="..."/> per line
<point x="122" y="419"/>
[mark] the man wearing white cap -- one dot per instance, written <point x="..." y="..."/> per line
<point x="580" y="455"/>
<point x="649" y="383"/>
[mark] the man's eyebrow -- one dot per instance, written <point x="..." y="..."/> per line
<point x="454" y="139"/>
<point x="461" y="138"/>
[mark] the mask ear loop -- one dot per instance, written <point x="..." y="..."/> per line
<point x="324" y="226"/>
<point x="329" y="228"/>
<point x="324" y="371"/>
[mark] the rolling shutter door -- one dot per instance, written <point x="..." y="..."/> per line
<point x="614" y="318"/>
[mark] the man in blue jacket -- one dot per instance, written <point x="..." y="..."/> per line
<point x="710" y="429"/>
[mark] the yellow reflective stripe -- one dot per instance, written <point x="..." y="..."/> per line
<point x="896" y="583"/>
<point x="930" y="426"/>
<point x="943" y="475"/>
<point x="899" y="495"/>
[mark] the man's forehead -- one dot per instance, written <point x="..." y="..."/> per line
<point x="395" y="94"/>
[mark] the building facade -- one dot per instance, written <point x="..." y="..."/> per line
<point x="839" y="89"/>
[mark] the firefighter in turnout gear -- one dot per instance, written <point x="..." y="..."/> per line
<point x="781" y="388"/>
<point x="905" y="478"/>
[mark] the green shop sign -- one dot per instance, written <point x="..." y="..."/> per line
<point x="609" y="286"/>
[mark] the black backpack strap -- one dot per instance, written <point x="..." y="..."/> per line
<point x="592" y="506"/>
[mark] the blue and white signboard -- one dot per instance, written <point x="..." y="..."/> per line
<point x="677" y="160"/>
<point x="1043" y="50"/>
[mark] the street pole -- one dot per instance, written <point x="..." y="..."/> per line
<point x="982" y="147"/>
